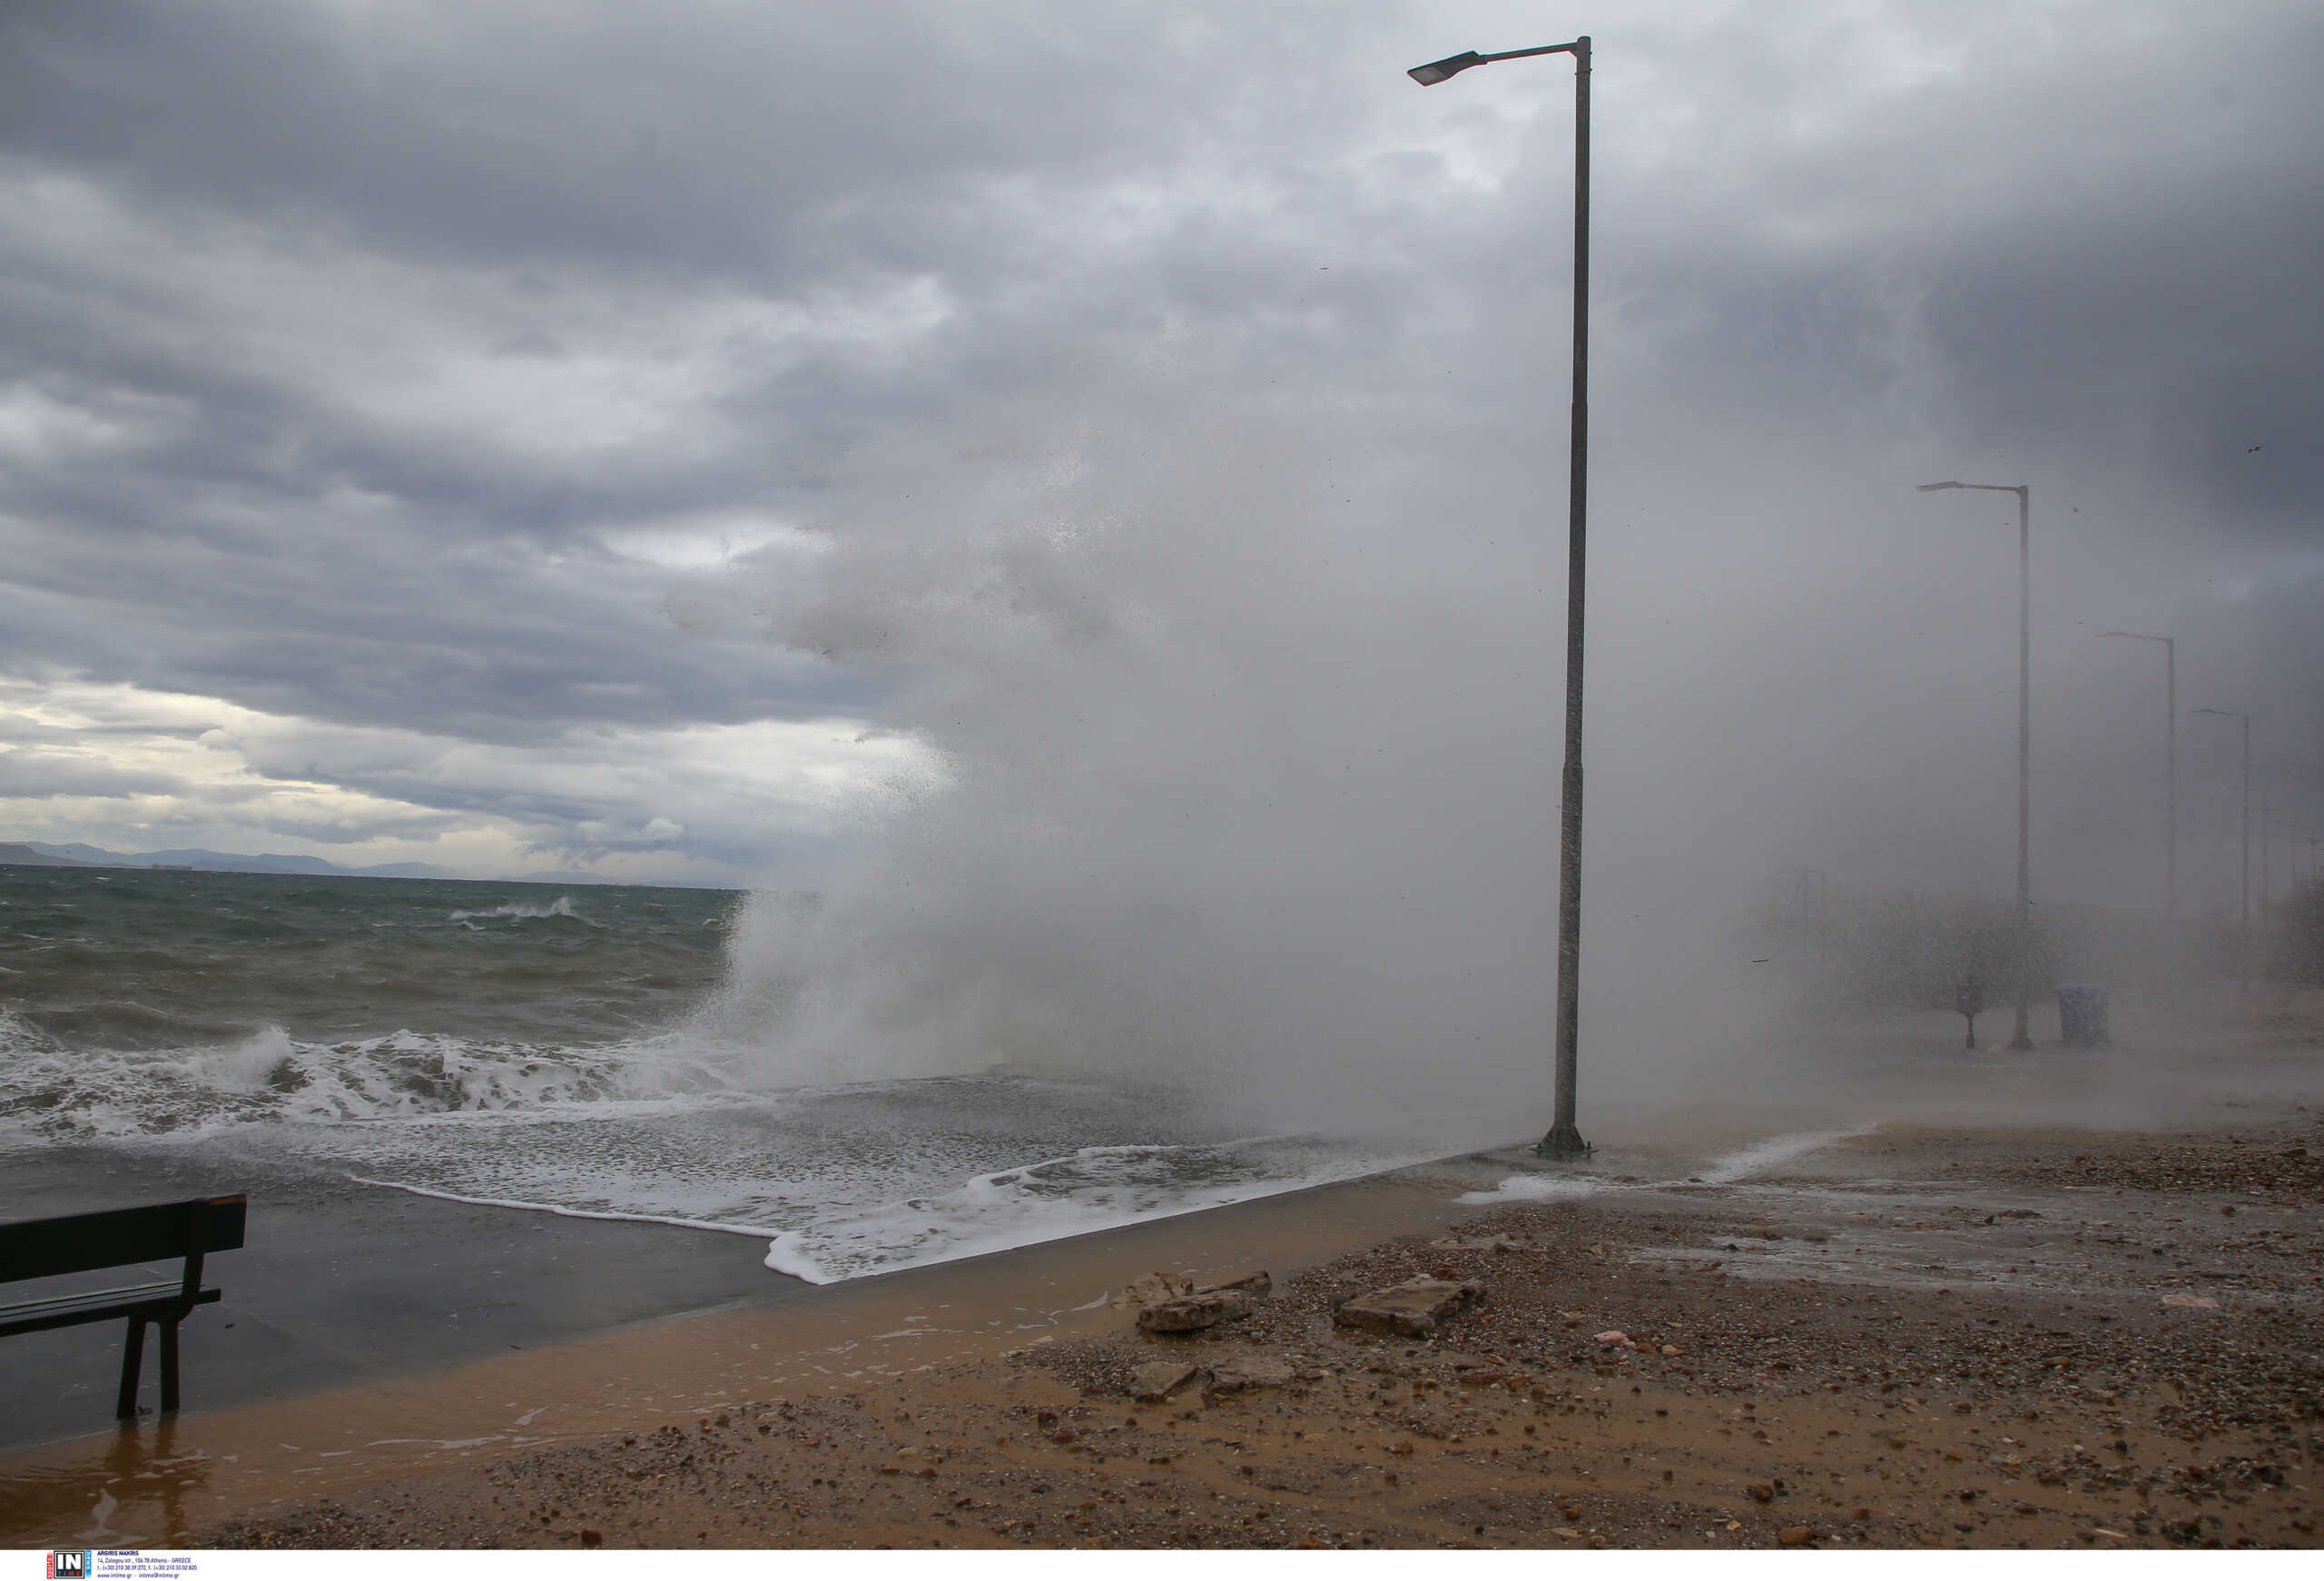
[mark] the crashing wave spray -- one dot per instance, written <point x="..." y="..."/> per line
<point x="1241" y="785"/>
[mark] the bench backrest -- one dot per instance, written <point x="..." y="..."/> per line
<point x="81" y="1242"/>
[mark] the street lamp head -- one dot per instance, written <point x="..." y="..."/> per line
<point x="1932" y="487"/>
<point x="1435" y="71"/>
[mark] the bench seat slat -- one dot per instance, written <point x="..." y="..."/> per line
<point x="95" y="1306"/>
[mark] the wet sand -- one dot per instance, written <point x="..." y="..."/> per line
<point x="153" y="1484"/>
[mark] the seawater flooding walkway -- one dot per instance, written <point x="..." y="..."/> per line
<point x="2113" y="1264"/>
<point x="378" y="1334"/>
<point x="146" y="1484"/>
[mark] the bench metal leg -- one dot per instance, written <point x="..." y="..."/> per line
<point x="133" y="1356"/>
<point x="170" y="1365"/>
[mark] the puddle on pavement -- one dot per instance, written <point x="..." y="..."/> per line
<point x="148" y="1484"/>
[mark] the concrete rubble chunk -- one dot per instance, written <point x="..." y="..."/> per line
<point x="1158" y="1380"/>
<point x="1148" y="1288"/>
<point x="1412" y="1309"/>
<point x="1258" y="1286"/>
<point x="1185" y="1314"/>
<point x="1259" y="1371"/>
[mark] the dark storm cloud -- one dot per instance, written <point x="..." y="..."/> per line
<point x="339" y="345"/>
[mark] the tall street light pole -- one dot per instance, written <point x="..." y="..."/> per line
<point x="2266" y="814"/>
<point x="2023" y="1037"/>
<point x="2171" y="769"/>
<point x="1563" y="1141"/>
<point x="2243" y="949"/>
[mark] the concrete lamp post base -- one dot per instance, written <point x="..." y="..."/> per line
<point x="1563" y="1142"/>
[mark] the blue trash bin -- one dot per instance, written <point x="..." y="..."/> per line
<point x="2081" y="1016"/>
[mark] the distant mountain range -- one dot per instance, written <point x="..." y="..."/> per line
<point x="33" y="854"/>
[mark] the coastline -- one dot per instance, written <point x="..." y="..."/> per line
<point x="1965" y="1335"/>
<point x="163" y="1478"/>
<point x="1907" y="1337"/>
<point x="2192" y="1226"/>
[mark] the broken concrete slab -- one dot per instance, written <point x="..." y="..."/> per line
<point x="1158" y="1380"/>
<point x="1258" y="1286"/>
<point x="1259" y="1371"/>
<point x="1412" y="1309"/>
<point x="1186" y="1314"/>
<point x="1148" y="1288"/>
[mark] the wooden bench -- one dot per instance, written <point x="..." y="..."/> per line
<point x="122" y="1237"/>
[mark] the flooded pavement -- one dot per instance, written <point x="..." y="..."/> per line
<point x="2121" y="1323"/>
<point x="2229" y="1221"/>
<point x="1914" y="1337"/>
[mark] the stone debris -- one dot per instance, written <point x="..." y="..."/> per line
<point x="1152" y="1288"/>
<point x="1487" y="1243"/>
<point x="1412" y="1309"/>
<point x="1186" y="1314"/>
<point x="1158" y="1380"/>
<point x="1259" y="1371"/>
<point x="2204" y="1302"/>
<point x="1612" y="1337"/>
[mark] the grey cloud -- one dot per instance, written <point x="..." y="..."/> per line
<point x="33" y="774"/>
<point x="1829" y="266"/>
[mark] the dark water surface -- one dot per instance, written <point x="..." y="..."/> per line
<point x="516" y="1045"/>
<point x="129" y="959"/>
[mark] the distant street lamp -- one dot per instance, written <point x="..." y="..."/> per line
<point x="2170" y="768"/>
<point x="1563" y="1140"/>
<point x="2267" y="816"/>
<point x="2023" y="1037"/>
<point x="2244" y="948"/>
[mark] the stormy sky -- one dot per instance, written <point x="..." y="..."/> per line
<point x="652" y="439"/>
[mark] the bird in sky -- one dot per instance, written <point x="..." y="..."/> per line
<point x="2248" y="451"/>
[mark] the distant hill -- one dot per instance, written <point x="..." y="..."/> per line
<point x="26" y="857"/>
<point x="33" y="854"/>
<point x="80" y="856"/>
<point x="88" y="855"/>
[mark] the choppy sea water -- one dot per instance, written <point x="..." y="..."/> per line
<point x="541" y="1047"/>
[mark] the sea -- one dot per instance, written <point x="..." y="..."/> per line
<point x="551" y="1049"/>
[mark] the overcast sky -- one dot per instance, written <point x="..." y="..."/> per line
<point x="509" y="436"/>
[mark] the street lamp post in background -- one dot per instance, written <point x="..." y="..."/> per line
<point x="1563" y="1140"/>
<point x="2170" y="770"/>
<point x="2266" y="814"/>
<point x="2023" y="1037"/>
<point x="2243" y="948"/>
